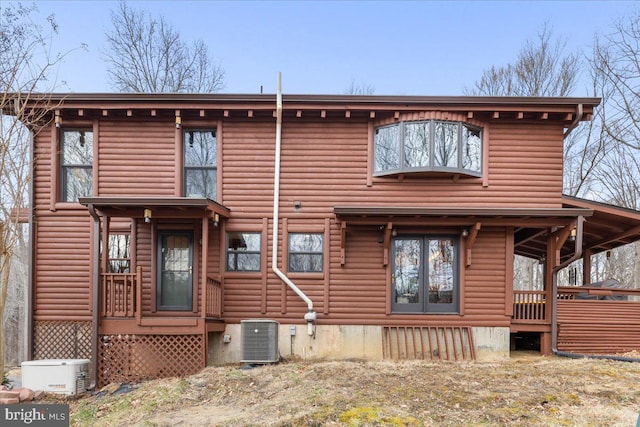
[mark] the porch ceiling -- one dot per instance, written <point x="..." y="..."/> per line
<point x="161" y="207"/>
<point x="609" y="227"/>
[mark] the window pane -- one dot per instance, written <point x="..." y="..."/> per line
<point x="76" y="182"/>
<point x="200" y="183"/>
<point x="441" y="270"/>
<point x="200" y="148"/>
<point x="305" y="262"/>
<point x="243" y="251"/>
<point x="299" y="242"/>
<point x="387" y="148"/>
<point x="77" y="147"/>
<point x="471" y="149"/>
<point x="416" y="145"/>
<point x="445" y="145"/>
<point x="119" y="258"/>
<point x="406" y="275"/>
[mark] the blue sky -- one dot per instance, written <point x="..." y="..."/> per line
<point x="399" y="48"/>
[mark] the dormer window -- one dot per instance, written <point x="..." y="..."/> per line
<point x="428" y="146"/>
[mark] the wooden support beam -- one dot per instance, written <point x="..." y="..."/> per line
<point x="105" y="113"/>
<point x="623" y="235"/>
<point x="226" y="113"/>
<point x="496" y="115"/>
<point x="470" y="115"/>
<point x="347" y="114"/>
<point x="372" y="114"/>
<point x="250" y="113"/>
<point x="544" y="116"/>
<point x="520" y="115"/>
<point x="323" y="113"/>
<point x="471" y="240"/>
<point x="343" y="242"/>
<point x="201" y="113"/>
<point x="129" y="113"/>
<point x="299" y="113"/>
<point x="568" y="117"/>
<point x="396" y="115"/>
<point x="80" y="113"/>
<point x="153" y="113"/>
<point x="387" y="243"/>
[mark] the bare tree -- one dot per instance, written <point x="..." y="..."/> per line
<point x="146" y="54"/>
<point x="542" y="68"/>
<point x="356" y="88"/>
<point x="25" y="65"/>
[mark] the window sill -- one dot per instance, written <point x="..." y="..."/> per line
<point x="243" y="274"/>
<point x="310" y="275"/>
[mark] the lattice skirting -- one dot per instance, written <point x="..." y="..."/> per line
<point x="428" y="342"/>
<point x="131" y="358"/>
<point x="62" y="340"/>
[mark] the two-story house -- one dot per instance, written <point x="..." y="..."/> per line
<point x="365" y="226"/>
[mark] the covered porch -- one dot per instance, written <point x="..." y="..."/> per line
<point x="157" y="287"/>
<point x="571" y="313"/>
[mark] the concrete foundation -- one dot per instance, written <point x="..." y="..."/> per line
<point x="336" y="342"/>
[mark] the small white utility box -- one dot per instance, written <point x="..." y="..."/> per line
<point x="64" y="376"/>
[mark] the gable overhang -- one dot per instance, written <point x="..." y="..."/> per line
<point x="459" y="216"/>
<point x="160" y="207"/>
<point x="83" y="106"/>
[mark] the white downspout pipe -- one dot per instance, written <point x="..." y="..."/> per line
<point x="310" y="316"/>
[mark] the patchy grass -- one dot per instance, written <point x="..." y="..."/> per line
<point x="533" y="391"/>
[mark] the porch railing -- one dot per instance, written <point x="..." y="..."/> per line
<point x="529" y="306"/>
<point x="596" y="293"/>
<point x="121" y="294"/>
<point x="213" y="298"/>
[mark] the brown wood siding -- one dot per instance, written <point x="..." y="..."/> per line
<point x="324" y="164"/>
<point x="136" y="158"/>
<point x="63" y="269"/>
<point x="247" y="170"/>
<point x="598" y="327"/>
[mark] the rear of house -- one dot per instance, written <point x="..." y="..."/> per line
<point x="169" y="230"/>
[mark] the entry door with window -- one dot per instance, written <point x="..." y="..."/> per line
<point x="175" y="271"/>
<point x="425" y="274"/>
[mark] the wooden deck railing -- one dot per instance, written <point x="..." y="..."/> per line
<point x="590" y="292"/>
<point x="121" y="294"/>
<point x="529" y="306"/>
<point x="213" y="298"/>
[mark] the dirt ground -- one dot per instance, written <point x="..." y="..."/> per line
<point x="525" y="391"/>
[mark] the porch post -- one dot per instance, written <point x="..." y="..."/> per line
<point x="203" y="266"/>
<point x="549" y="264"/>
<point x="586" y="267"/>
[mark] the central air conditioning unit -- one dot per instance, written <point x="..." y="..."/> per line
<point x="63" y="376"/>
<point x="259" y="341"/>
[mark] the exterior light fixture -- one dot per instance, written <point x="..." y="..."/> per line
<point x="147" y="215"/>
<point x="465" y="232"/>
<point x="178" y="122"/>
<point x="58" y="119"/>
<point x="394" y="232"/>
<point x="216" y="220"/>
<point x="572" y="236"/>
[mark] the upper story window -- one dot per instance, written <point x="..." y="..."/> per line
<point x="428" y="146"/>
<point x="305" y="252"/>
<point x="76" y="161"/>
<point x="200" y="163"/>
<point x="243" y="251"/>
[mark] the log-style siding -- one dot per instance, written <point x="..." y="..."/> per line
<point x="136" y="158"/>
<point x="598" y="327"/>
<point x="325" y="163"/>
